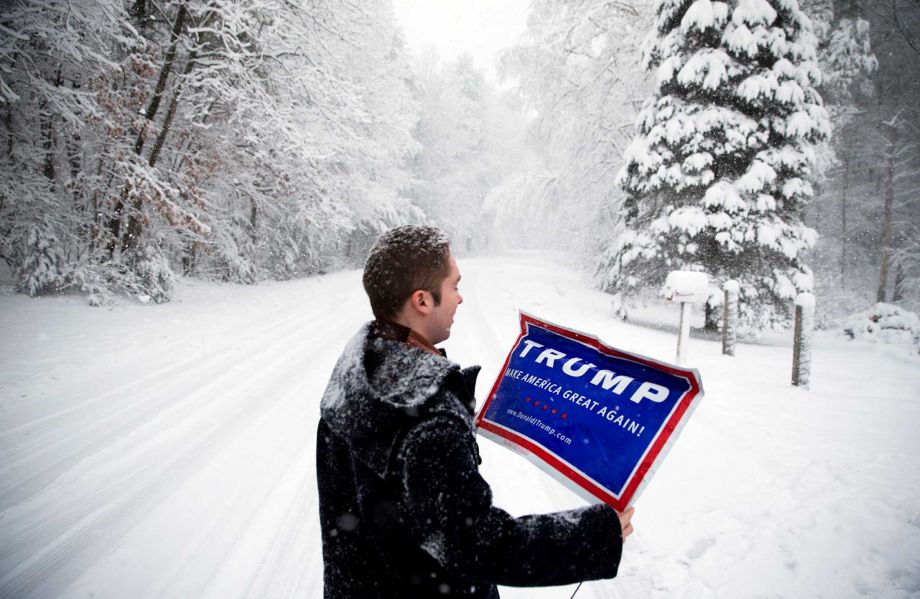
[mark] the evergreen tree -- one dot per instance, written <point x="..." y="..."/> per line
<point x="725" y="158"/>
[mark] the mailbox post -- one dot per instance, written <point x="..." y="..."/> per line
<point x="688" y="288"/>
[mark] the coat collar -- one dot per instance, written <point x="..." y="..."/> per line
<point x="380" y="386"/>
<point x="393" y="331"/>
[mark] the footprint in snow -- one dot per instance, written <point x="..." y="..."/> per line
<point x="700" y="547"/>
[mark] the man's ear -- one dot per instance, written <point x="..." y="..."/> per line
<point x="421" y="301"/>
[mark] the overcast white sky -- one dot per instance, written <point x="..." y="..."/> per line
<point x="480" y="27"/>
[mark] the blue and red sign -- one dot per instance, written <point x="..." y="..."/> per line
<point x="601" y="417"/>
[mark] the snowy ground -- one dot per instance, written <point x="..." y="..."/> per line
<point x="167" y="451"/>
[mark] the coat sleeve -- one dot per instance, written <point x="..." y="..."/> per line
<point x="450" y="514"/>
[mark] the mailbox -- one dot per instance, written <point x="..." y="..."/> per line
<point x="686" y="286"/>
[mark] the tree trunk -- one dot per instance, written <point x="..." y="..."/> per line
<point x="843" y="220"/>
<point x="171" y="111"/>
<point x="892" y="134"/>
<point x="712" y="317"/>
<point x="115" y="222"/>
<point x="138" y="12"/>
<point x="729" y="317"/>
<point x="801" y="348"/>
<point x="134" y="222"/>
<point x="49" y="138"/>
<point x="9" y="129"/>
<point x="900" y="282"/>
<point x="74" y="145"/>
<point x="165" y="72"/>
<point x="8" y="121"/>
<point x="47" y="132"/>
<point x="133" y="231"/>
<point x="135" y="226"/>
<point x="190" y="259"/>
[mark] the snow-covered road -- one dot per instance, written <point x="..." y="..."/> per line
<point x="167" y="451"/>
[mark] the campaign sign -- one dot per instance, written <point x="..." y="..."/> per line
<point x="601" y="417"/>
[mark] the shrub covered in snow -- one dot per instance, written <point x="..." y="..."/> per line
<point x="885" y="323"/>
<point x="725" y="157"/>
<point x="41" y="269"/>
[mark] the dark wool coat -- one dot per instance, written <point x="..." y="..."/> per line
<point x="403" y="509"/>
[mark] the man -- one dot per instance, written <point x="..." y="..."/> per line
<point x="403" y="509"/>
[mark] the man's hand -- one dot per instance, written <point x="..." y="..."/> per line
<point x="625" y="521"/>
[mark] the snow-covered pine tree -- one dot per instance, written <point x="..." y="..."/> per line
<point x="717" y="177"/>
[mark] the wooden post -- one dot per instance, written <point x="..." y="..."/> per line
<point x="801" y="351"/>
<point x="683" y="337"/>
<point x="687" y="287"/>
<point x="729" y="317"/>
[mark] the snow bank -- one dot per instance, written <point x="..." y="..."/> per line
<point x="885" y="323"/>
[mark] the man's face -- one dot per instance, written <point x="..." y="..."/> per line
<point x="441" y="316"/>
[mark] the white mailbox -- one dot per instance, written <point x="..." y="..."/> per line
<point x="686" y="286"/>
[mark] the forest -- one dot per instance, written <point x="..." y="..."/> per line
<point x="769" y="142"/>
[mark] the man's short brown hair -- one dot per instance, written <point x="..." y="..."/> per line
<point x="404" y="260"/>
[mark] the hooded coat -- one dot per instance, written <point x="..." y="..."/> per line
<point x="403" y="509"/>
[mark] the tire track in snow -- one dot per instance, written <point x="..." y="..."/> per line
<point x="291" y="564"/>
<point x="258" y="334"/>
<point x="57" y="545"/>
<point x="290" y="446"/>
<point x="279" y="552"/>
<point x="47" y="446"/>
<point x="176" y="470"/>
